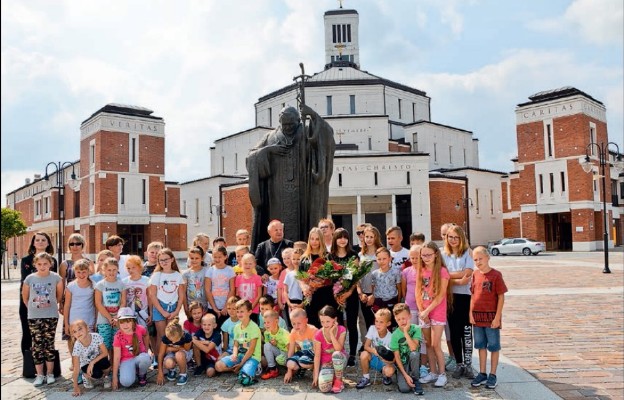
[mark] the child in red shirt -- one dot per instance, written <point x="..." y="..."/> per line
<point x="486" y="311"/>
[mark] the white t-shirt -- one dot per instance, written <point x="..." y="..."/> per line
<point x="294" y="290"/>
<point x="89" y="353"/>
<point x="167" y="286"/>
<point x="373" y="335"/>
<point x="399" y="257"/>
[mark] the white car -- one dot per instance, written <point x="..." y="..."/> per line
<point x="518" y="246"/>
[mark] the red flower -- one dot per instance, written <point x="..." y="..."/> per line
<point x="337" y="267"/>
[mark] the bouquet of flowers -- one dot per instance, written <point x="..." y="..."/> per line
<point x="352" y="273"/>
<point x="321" y="273"/>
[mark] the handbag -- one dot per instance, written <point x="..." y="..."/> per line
<point x="28" y="367"/>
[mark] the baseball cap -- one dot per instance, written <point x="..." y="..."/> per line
<point x="126" y="313"/>
<point x="273" y="260"/>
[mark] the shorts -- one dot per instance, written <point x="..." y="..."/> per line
<point x="305" y="357"/>
<point x="377" y="363"/>
<point x="486" y="338"/>
<point x="107" y="332"/>
<point x="250" y="367"/>
<point x="157" y="316"/>
<point x="171" y="354"/>
<point x="432" y="322"/>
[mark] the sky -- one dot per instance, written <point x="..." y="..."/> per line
<point x="203" y="64"/>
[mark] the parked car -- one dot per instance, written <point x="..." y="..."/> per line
<point x="518" y="246"/>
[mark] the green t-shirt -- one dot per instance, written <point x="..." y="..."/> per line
<point x="398" y="342"/>
<point x="282" y="337"/>
<point x="244" y="336"/>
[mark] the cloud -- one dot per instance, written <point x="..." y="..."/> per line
<point x="595" y="22"/>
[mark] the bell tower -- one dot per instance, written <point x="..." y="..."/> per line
<point x="342" y="38"/>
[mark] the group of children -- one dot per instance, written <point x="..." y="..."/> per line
<point x="238" y="322"/>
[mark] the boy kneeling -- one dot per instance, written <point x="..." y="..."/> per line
<point x="377" y="335"/>
<point x="405" y="343"/>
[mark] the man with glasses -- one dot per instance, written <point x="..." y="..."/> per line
<point x="271" y="248"/>
<point x="359" y="232"/>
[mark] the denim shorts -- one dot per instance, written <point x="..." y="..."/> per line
<point x="486" y="338"/>
<point x="377" y="363"/>
<point x="250" y="367"/>
<point x="168" y="307"/>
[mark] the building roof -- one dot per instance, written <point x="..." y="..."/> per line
<point x="422" y="121"/>
<point x="553" y="94"/>
<point x="338" y="75"/>
<point x="242" y="132"/>
<point x="215" y="177"/>
<point x="123" y="109"/>
<point x="340" y="11"/>
<point x="491" y="171"/>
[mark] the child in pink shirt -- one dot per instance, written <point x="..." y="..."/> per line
<point x="329" y="353"/>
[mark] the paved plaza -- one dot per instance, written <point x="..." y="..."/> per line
<point x="563" y="336"/>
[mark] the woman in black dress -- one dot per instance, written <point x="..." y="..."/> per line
<point x="341" y="252"/>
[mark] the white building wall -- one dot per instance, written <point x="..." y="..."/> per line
<point x="486" y="214"/>
<point x="228" y="155"/>
<point x="358" y="180"/>
<point x="445" y="145"/>
<point x="199" y="201"/>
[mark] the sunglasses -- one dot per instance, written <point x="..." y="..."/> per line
<point x="74" y="244"/>
<point x="359" y="232"/>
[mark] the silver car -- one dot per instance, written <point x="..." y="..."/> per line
<point x="518" y="246"/>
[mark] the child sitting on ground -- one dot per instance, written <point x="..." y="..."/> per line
<point x="247" y="350"/>
<point x="330" y="357"/>
<point x="206" y="345"/>
<point x="89" y="355"/>
<point x="275" y="344"/>
<point x="377" y="335"/>
<point x="174" y="350"/>
<point x="405" y="343"/>
<point x="300" y="345"/>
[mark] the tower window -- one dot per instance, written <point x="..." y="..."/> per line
<point x="352" y="103"/>
<point x="329" y="105"/>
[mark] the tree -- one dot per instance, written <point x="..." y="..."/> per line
<point x="12" y="226"/>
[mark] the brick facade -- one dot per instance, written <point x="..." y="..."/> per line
<point x="444" y="194"/>
<point x="238" y="209"/>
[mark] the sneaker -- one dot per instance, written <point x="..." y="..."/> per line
<point x="429" y="378"/>
<point x="87" y="383"/>
<point x="182" y="379"/>
<point x="50" y="379"/>
<point x="441" y="381"/>
<point x="450" y="364"/>
<point x="107" y="382"/>
<point x="338" y="386"/>
<point x="479" y="379"/>
<point x="386" y="380"/>
<point x="459" y="371"/>
<point x="142" y="380"/>
<point x="423" y="371"/>
<point x="300" y="373"/>
<point x="199" y="370"/>
<point x="80" y="377"/>
<point x="491" y="382"/>
<point x="155" y="363"/>
<point x="418" y="390"/>
<point x="363" y="383"/>
<point x="38" y="380"/>
<point x="271" y="373"/>
<point x="351" y="361"/>
<point x="469" y="372"/>
<point x="171" y="375"/>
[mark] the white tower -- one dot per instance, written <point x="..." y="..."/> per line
<point x="341" y="37"/>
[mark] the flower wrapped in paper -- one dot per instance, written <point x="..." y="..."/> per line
<point x="353" y="271"/>
<point x="321" y="273"/>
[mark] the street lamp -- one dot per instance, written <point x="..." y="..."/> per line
<point x="466" y="202"/>
<point x="60" y="185"/>
<point x="603" y="154"/>
<point x="221" y="212"/>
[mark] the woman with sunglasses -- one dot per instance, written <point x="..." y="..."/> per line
<point x="457" y="257"/>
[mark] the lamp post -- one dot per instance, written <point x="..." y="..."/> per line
<point x="58" y="168"/>
<point x="466" y="202"/>
<point x="603" y="154"/>
<point x="221" y="212"/>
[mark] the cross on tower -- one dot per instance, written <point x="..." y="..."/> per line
<point x="340" y="1"/>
